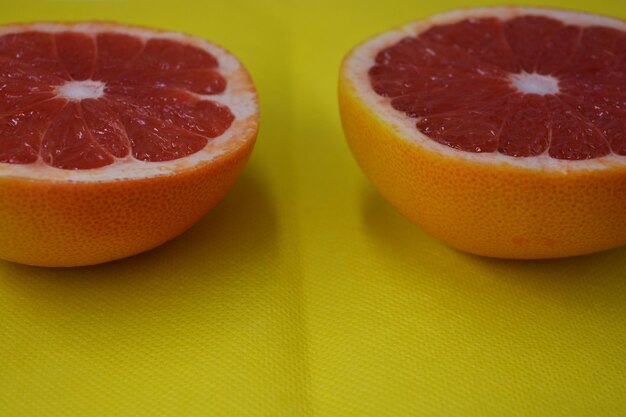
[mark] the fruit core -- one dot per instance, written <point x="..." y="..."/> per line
<point x="535" y="83"/>
<point x="79" y="90"/>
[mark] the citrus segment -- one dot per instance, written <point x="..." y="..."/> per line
<point x="573" y="135"/>
<point x="34" y="49"/>
<point x="500" y="131"/>
<point x="76" y="53"/>
<point x="540" y="44"/>
<point x="116" y="54"/>
<point x="21" y="131"/>
<point x="67" y="143"/>
<point x="525" y="128"/>
<point x="105" y="127"/>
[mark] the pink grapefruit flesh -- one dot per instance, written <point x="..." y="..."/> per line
<point x="76" y="101"/>
<point x="483" y="85"/>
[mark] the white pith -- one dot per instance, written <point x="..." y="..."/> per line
<point x="361" y="59"/>
<point x="240" y="96"/>
<point x="80" y="90"/>
<point x="533" y="83"/>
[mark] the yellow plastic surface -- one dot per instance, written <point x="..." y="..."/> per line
<point x="304" y="293"/>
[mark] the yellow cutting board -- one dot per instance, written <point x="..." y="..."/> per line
<point x="304" y="293"/>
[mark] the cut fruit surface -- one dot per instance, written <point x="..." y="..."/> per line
<point x="527" y="62"/>
<point x="502" y="97"/>
<point x="108" y="95"/>
<point x="99" y="108"/>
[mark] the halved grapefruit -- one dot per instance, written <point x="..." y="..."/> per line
<point x="114" y="139"/>
<point x="500" y="131"/>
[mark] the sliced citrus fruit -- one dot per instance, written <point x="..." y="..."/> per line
<point x="501" y="131"/>
<point x="114" y="139"/>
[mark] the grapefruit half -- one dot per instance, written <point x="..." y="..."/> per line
<point x="114" y="139"/>
<point x="500" y="131"/>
